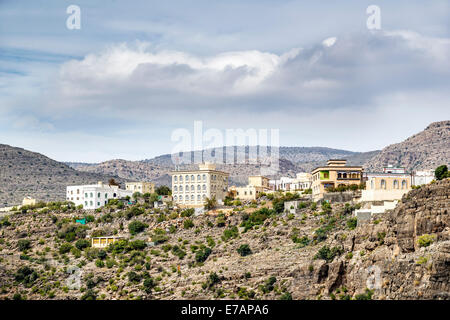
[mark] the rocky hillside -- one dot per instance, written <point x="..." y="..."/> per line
<point x="426" y="150"/>
<point x="292" y="160"/>
<point x="244" y="253"/>
<point x="24" y="173"/>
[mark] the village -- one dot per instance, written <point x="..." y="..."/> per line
<point x="206" y="191"/>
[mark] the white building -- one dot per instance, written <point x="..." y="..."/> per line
<point x="95" y="195"/>
<point x="190" y="188"/>
<point x="422" y="177"/>
<point x="302" y="181"/>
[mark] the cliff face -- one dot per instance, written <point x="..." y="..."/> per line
<point x="407" y="270"/>
<point x="425" y="150"/>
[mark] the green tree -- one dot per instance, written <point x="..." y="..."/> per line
<point x="441" y="172"/>
<point x="210" y="203"/>
<point x="136" y="227"/>
<point x="244" y="250"/>
<point x="163" y="191"/>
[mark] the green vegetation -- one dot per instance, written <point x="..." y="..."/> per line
<point x="441" y="172"/>
<point x="230" y="233"/>
<point x="325" y="253"/>
<point x="136" y="227"/>
<point x="244" y="250"/>
<point x="352" y="223"/>
<point x="425" y="240"/>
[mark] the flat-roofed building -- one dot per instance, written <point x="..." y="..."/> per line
<point x="103" y="242"/>
<point x="302" y="181"/>
<point x="141" y="187"/>
<point x="336" y="173"/>
<point x="190" y="188"/>
<point x="390" y="184"/>
<point x="95" y="196"/>
<point x="421" y="177"/>
<point x="256" y="186"/>
<point x="259" y="181"/>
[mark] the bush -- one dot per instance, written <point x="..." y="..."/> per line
<point x="188" y="224"/>
<point x="177" y="251"/>
<point x="268" y="285"/>
<point x="286" y="296"/>
<point x="187" y="212"/>
<point x="229" y="233"/>
<point x="244" y="250"/>
<point x="136" y="227"/>
<point x="82" y="244"/>
<point x="26" y="275"/>
<point x="65" y="247"/>
<point x="202" y="254"/>
<point x="351" y="223"/>
<point x="24" y="245"/>
<point x="325" y="253"/>
<point x="149" y="284"/>
<point x="256" y="218"/>
<point x="365" y="296"/>
<point x="425" y="240"/>
<point x="99" y="263"/>
<point x="89" y="295"/>
<point x="441" y="172"/>
<point x="101" y="254"/>
<point x="137" y="245"/>
<point x="134" y="277"/>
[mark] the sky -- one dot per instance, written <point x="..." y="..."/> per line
<point x="135" y="72"/>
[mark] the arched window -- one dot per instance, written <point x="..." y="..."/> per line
<point x="186" y="178"/>
<point x="372" y="184"/>
<point x="181" y="178"/>
<point x="198" y="177"/>
<point x="198" y="197"/>
<point x="186" y="188"/>
<point x="114" y="195"/>
<point x="199" y="187"/>
<point x="395" y="184"/>
<point x="175" y="198"/>
<point x="383" y="184"/>
<point x="175" y="178"/>
<point x="204" y="196"/>
<point x="106" y="196"/>
<point x="85" y="195"/>
<point x="181" y="197"/>
<point x="344" y="175"/>
<point x="181" y="189"/>
<point x="192" y="197"/>
<point x="92" y="195"/>
<point x="175" y="189"/>
<point x="204" y="187"/>
<point x="192" y="188"/>
<point x="91" y="203"/>
<point x="192" y="178"/>
<point x="98" y="195"/>
<point x="339" y="175"/>
<point x="204" y="177"/>
<point x="404" y="184"/>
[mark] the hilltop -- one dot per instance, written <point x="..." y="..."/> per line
<point x="250" y="252"/>
<point x="427" y="149"/>
<point x="25" y="173"/>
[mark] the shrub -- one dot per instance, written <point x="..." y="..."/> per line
<point x="441" y="172"/>
<point x="101" y="254"/>
<point x="89" y="295"/>
<point x="134" y="277"/>
<point x="187" y="212"/>
<point x="268" y="286"/>
<point x="137" y="245"/>
<point x="351" y="223"/>
<point x="136" y="227"/>
<point x="99" y="263"/>
<point x="202" y="254"/>
<point x="180" y="253"/>
<point x="24" y="245"/>
<point x="188" y="224"/>
<point x="286" y="296"/>
<point x="244" y="250"/>
<point x="325" y="253"/>
<point x="26" y="275"/>
<point x="82" y="244"/>
<point x="230" y="232"/>
<point x="425" y="240"/>
<point x="149" y="284"/>
<point x="65" y="247"/>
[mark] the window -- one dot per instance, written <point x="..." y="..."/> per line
<point x="186" y="178"/>
<point x="98" y="195"/>
<point x="175" y="198"/>
<point x="192" y="178"/>
<point x="85" y="195"/>
<point x="86" y="203"/>
<point x="78" y="191"/>
<point x="181" y="189"/>
<point x="192" y="197"/>
<point x="371" y="184"/>
<point x="199" y="188"/>
<point x="175" y="178"/>
<point x="204" y="177"/>
<point x="98" y="203"/>
<point x="186" y="188"/>
<point x="114" y="195"/>
<point x="106" y="196"/>
<point x="395" y="184"/>
<point x="383" y="184"/>
<point x="92" y="195"/>
<point x="91" y="203"/>
<point x="192" y="188"/>
<point x="404" y="184"/>
<point x="181" y="178"/>
<point x="181" y="197"/>
<point x="204" y="196"/>
<point x="204" y="187"/>
<point x="198" y="197"/>
<point x="198" y="177"/>
<point x="175" y="188"/>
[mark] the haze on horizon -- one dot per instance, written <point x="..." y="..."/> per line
<point x="119" y="86"/>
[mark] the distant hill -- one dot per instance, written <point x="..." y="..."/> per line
<point x="427" y="149"/>
<point x="292" y="160"/>
<point x="25" y="173"/>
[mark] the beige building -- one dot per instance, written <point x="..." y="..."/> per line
<point x="391" y="184"/>
<point x="190" y="188"/>
<point x="336" y="173"/>
<point x="141" y="187"/>
<point x="256" y="186"/>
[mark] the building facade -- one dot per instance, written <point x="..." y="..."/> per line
<point x="302" y="181"/>
<point x="336" y="173"/>
<point x="256" y="186"/>
<point x="141" y="187"/>
<point x="422" y="177"/>
<point x="391" y="184"/>
<point x="95" y="196"/>
<point x="190" y="188"/>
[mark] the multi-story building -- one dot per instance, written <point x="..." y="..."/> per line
<point x="95" y="195"/>
<point x="336" y="173"/>
<point x="256" y="186"/>
<point x="390" y="184"/>
<point x="190" y="188"/>
<point x="302" y="181"/>
<point x="141" y="187"/>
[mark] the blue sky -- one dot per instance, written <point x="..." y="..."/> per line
<point x="119" y="86"/>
